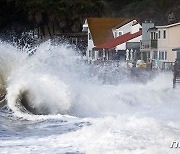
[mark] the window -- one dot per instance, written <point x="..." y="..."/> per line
<point x="155" y="54"/>
<point x="100" y="53"/>
<point x="165" y="55"/>
<point x="162" y="55"/>
<point x="115" y="34"/>
<point x="90" y="37"/>
<point x="164" y="34"/>
<point x="156" y="35"/>
<point x="159" y="34"/>
<point x="90" y="53"/>
<point x="151" y="35"/>
<point x="120" y="33"/>
<point x="93" y="54"/>
<point x="148" y="55"/>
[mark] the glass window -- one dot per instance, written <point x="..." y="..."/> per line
<point x="93" y="54"/>
<point x="90" y="51"/>
<point x="90" y="37"/>
<point x="162" y="55"/>
<point x="100" y="53"/>
<point x="151" y="35"/>
<point x="120" y="33"/>
<point x="159" y="34"/>
<point x="156" y="36"/>
<point x="155" y="54"/>
<point x="115" y="34"/>
<point x="164" y="34"/>
<point x="165" y="55"/>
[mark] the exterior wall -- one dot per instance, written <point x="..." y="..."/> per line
<point x="123" y="46"/>
<point x="147" y="47"/>
<point x="172" y="41"/>
<point x="174" y="37"/>
<point x="85" y="26"/>
<point x="90" y="47"/>
<point x="145" y="32"/>
<point x="116" y="33"/>
<point x="96" y="55"/>
<point x="163" y="42"/>
<point x="127" y="28"/>
<point x="135" y="28"/>
<point x="93" y="55"/>
<point x="137" y="39"/>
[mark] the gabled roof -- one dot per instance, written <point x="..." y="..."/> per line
<point x="119" y="40"/>
<point x="135" y="23"/>
<point x="122" y="23"/>
<point x="100" y="28"/>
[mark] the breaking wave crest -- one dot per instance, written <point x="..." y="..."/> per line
<point x="55" y="80"/>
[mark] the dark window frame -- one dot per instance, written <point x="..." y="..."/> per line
<point x="159" y="34"/>
<point x="164" y="34"/>
<point x="90" y="37"/>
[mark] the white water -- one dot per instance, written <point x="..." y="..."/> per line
<point x="93" y="109"/>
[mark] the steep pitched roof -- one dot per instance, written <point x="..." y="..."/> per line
<point x="122" y="23"/>
<point x="100" y="28"/>
<point x="119" y="40"/>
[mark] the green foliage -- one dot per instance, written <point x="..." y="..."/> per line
<point x="69" y="15"/>
<point x="69" y="11"/>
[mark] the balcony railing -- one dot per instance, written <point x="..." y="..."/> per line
<point x="148" y="44"/>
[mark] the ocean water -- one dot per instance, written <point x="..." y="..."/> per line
<point x="54" y="102"/>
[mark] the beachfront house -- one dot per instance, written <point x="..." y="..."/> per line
<point x="159" y="44"/>
<point x="148" y="44"/>
<point x="168" y="39"/>
<point x="177" y="50"/>
<point x="112" y="38"/>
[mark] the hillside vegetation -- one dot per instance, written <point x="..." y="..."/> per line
<point x="68" y="15"/>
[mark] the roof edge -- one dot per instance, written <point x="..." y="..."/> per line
<point x="134" y="36"/>
<point x="167" y="26"/>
